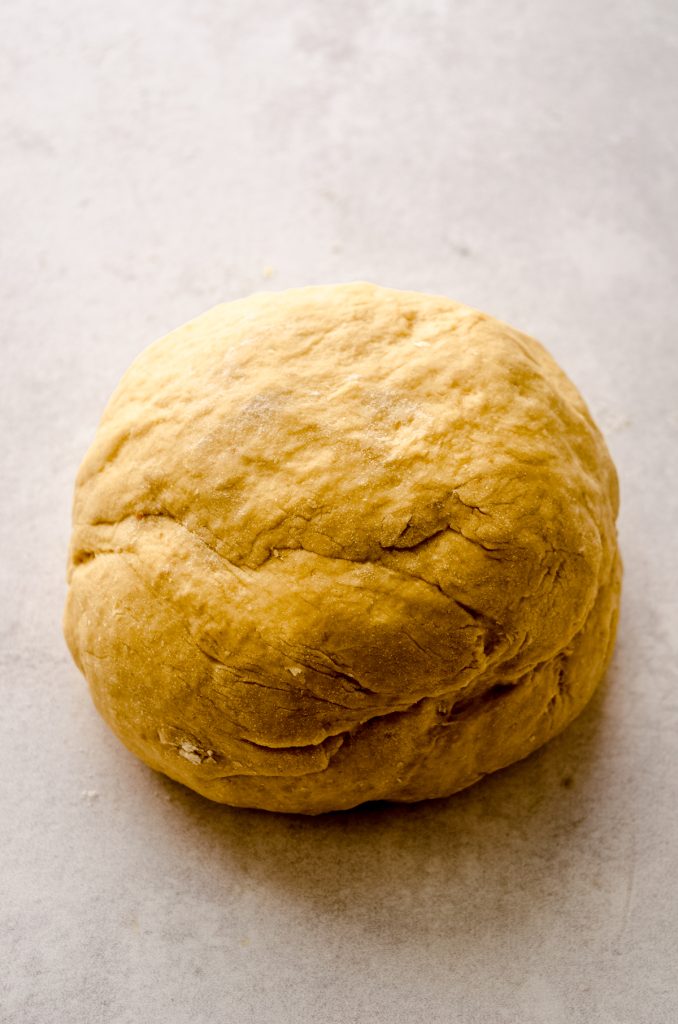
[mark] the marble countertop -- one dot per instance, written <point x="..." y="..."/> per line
<point x="161" y="157"/>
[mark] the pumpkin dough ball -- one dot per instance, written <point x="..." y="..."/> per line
<point x="342" y="544"/>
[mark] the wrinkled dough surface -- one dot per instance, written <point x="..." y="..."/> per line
<point x="339" y="544"/>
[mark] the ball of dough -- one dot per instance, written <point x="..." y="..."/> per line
<point x="342" y="544"/>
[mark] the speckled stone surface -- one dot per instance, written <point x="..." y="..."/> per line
<point x="160" y="158"/>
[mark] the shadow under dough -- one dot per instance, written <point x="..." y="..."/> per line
<point x="488" y="857"/>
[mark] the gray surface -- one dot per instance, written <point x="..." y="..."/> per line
<point x="160" y="157"/>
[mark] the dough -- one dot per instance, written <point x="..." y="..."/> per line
<point x="342" y="544"/>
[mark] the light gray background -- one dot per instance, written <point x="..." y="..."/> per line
<point x="159" y="157"/>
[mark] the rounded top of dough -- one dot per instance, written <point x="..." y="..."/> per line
<point x="349" y="500"/>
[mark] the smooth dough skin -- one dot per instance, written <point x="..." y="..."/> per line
<point x="342" y="544"/>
